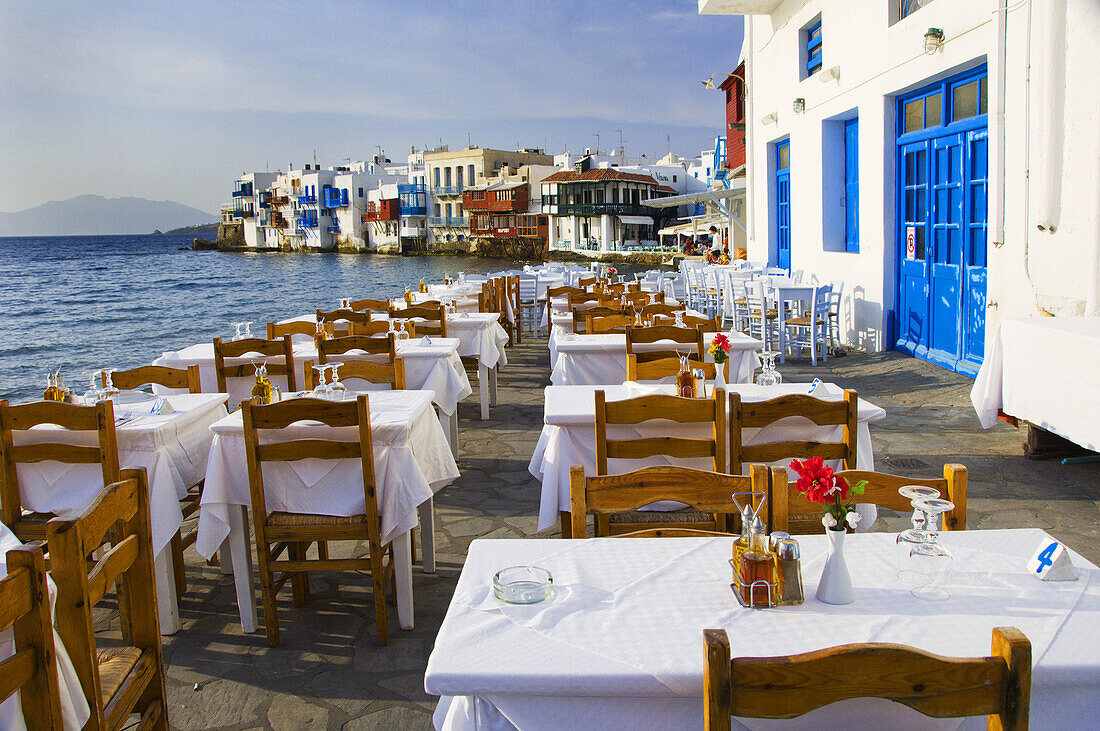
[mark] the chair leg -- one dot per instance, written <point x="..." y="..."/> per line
<point x="299" y="580"/>
<point x="267" y="592"/>
<point x="177" y="564"/>
<point x="322" y="550"/>
<point x="378" y="578"/>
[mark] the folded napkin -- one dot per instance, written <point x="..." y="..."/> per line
<point x="154" y="406"/>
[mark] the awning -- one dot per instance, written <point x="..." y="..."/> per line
<point x="637" y="220"/>
<point x="736" y="188"/>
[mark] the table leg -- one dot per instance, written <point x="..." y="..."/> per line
<point x="449" y="422"/>
<point x="483" y="389"/>
<point x="402" y="555"/>
<point x="167" y="599"/>
<point x="493" y="385"/>
<point x="238" y="552"/>
<point x="427" y="534"/>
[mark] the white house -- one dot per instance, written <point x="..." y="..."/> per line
<point x="938" y="157"/>
<point x="249" y="205"/>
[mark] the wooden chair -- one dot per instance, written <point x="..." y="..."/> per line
<point x="635" y="411"/>
<point x="591" y="299"/>
<point x="514" y="329"/>
<point x="662" y="368"/>
<point x="276" y="330"/>
<point x="369" y="329"/>
<point x="434" y="319"/>
<point x="32" y="670"/>
<point x="708" y="495"/>
<point x="690" y="340"/>
<point x="280" y="350"/>
<point x="391" y="372"/>
<point x="793" y="513"/>
<point x="279" y="531"/>
<point x="350" y="316"/>
<point x="372" y="348"/>
<point x="608" y="323"/>
<point x="371" y="305"/>
<point x="789" y="686"/>
<point x="759" y="414"/>
<point x="563" y="291"/>
<point x="99" y="420"/>
<point x="649" y="312"/>
<point x="581" y="317"/>
<point x="585" y="282"/>
<point x="178" y="378"/>
<point x="189" y="505"/>
<point x="117" y="681"/>
<point x="637" y="300"/>
<point x="706" y="324"/>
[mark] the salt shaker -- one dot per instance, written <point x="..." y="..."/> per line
<point x="788" y="569"/>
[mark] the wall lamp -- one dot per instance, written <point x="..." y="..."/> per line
<point x="799" y="105"/>
<point x="933" y="40"/>
<point x="769" y="118"/>
<point x="829" y="74"/>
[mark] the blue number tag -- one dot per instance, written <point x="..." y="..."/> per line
<point x="1046" y="558"/>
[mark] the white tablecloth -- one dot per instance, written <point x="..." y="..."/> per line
<point x="569" y="435"/>
<point x="171" y="447"/>
<point x="590" y="360"/>
<point x="622" y="638"/>
<point x="480" y="335"/>
<point x="1044" y="370"/>
<point x="436" y="368"/>
<point x="412" y="461"/>
<point x="74" y="706"/>
<point x="202" y="355"/>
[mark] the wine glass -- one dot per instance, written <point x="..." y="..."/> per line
<point x="94" y="392"/>
<point x="929" y="561"/>
<point x="768" y="375"/>
<point x="320" y="388"/>
<point x="238" y="327"/>
<point x="109" y="390"/>
<point x="247" y="330"/>
<point x="337" y="390"/>
<point x="678" y="316"/>
<point x="918" y="533"/>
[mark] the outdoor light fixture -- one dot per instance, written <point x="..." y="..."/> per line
<point x="829" y="74"/>
<point x="799" y="105"/>
<point x="933" y="40"/>
<point x="769" y="118"/>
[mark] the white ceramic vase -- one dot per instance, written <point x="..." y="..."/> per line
<point x="720" y="376"/>
<point x="835" y="586"/>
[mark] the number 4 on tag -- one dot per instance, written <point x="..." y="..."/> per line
<point x="1051" y="562"/>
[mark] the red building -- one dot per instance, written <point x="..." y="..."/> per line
<point x="500" y="211"/>
<point x="734" y="86"/>
<point x="387" y="209"/>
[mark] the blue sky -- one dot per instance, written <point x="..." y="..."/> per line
<point x="174" y="100"/>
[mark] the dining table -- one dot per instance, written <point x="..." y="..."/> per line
<point x="620" y="641"/>
<point x="600" y="358"/>
<point x="171" y="445"/>
<point x="568" y="435"/>
<point x="74" y="706"/>
<point x="412" y="462"/>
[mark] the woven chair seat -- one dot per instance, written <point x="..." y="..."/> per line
<point x="802" y="321"/>
<point x="35" y="518"/>
<point x="302" y="520"/>
<point x="114" y="665"/>
<point x="683" y="515"/>
<point x="771" y="313"/>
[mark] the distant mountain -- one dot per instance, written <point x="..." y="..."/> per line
<point x="94" y="214"/>
<point x="201" y="229"/>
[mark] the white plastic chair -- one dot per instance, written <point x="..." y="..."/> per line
<point x="529" y="309"/>
<point x="811" y="329"/>
<point x="836" y="294"/>
<point x="756" y="300"/>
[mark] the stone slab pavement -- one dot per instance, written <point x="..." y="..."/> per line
<point x="330" y="673"/>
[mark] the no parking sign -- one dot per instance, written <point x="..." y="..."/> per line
<point x="911" y="242"/>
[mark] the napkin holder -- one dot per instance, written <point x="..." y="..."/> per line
<point x="1051" y="562"/>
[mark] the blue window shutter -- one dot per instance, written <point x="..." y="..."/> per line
<point x="813" y="49"/>
<point x="851" y="185"/>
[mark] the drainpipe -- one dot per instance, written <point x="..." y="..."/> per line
<point x="1052" y="121"/>
<point x="750" y="137"/>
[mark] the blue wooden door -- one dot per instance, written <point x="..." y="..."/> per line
<point x="783" y="204"/>
<point x="851" y="185"/>
<point x="974" y="261"/>
<point x="947" y="230"/>
<point x="913" y="331"/>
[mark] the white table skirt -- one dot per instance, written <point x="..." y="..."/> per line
<point x="436" y="368"/>
<point x="622" y="639"/>
<point x="74" y="706"/>
<point x="591" y="360"/>
<point x="172" y="448"/>
<point x="480" y="335"/>
<point x="568" y="436"/>
<point x="412" y="461"/>
<point x="1043" y="370"/>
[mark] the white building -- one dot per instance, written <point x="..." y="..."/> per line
<point x="249" y="206"/>
<point x="902" y="147"/>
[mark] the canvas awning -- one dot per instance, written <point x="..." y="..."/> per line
<point x="637" y="220"/>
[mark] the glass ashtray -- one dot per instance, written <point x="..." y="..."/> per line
<point x="523" y="585"/>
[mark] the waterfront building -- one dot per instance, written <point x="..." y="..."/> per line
<point x="449" y="172"/>
<point x="507" y="207"/>
<point x="937" y="157"/>
<point x="250" y="207"/>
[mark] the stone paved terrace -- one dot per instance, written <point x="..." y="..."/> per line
<point x="330" y="673"/>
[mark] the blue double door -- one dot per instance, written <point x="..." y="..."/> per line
<point x="941" y="234"/>
<point x="783" y="204"/>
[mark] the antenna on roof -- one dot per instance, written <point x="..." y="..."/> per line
<point x="314" y="155"/>
<point x="622" y="149"/>
<point x="597" y="136"/>
<point x="668" y="144"/>
<point x="469" y="142"/>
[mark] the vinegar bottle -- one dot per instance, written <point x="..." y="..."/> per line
<point x="685" y="381"/>
<point x="757" y="565"/>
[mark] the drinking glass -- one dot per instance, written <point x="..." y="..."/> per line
<point x="238" y="326"/>
<point x="94" y="392"/>
<point x="931" y="563"/>
<point x="769" y="376"/>
<point x="918" y="533"/>
<point x="678" y="317"/>
<point x="700" y="376"/>
<point x="109" y="390"/>
<point x="337" y="390"/>
<point x="321" y="389"/>
<point x="247" y="330"/>
<point x="345" y="303"/>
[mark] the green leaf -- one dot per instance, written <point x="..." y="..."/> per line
<point x="860" y="487"/>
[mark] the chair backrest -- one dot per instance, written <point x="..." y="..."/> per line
<point x="278" y="355"/>
<point x="608" y="323"/>
<point x="430" y="320"/>
<point x="836" y="293"/>
<point x="661" y="369"/>
<point x="708" y="492"/>
<point x="761" y="414"/>
<point x="641" y="409"/>
<point x="686" y="336"/>
<point x="755" y="296"/>
<point x="790" y="511"/>
<point x="636" y="299"/>
<point x="260" y="420"/>
<point x="581" y="317"/>
<point x="98" y="419"/>
<point x="590" y="298"/>
<point x="332" y="316"/>
<point x="705" y="324"/>
<point x="788" y="686"/>
<point x="158" y="375"/>
<point x="370" y="346"/>
<point x="660" y="310"/>
<point x="276" y="330"/>
<point x="133" y="678"/>
<point x="391" y="372"/>
<point x="371" y="305"/>
<point x="25" y="610"/>
<point x="586" y="281"/>
<point x="563" y="291"/>
<point x="373" y="328"/>
<point x="528" y="287"/>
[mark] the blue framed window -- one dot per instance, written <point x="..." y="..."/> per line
<point x="812" y="36"/>
<point x="851" y="185"/>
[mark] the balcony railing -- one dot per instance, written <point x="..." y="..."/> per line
<point x="598" y="209"/>
<point x="305" y="222"/>
<point x="305" y="200"/>
<point x="447" y="190"/>
<point x="333" y="229"/>
<point x="335" y="198"/>
<point x="456" y="221"/>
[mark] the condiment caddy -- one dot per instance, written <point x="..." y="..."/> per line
<point x="766" y="571"/>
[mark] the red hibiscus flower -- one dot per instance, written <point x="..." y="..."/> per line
<point x="722" y="342"/>
<point x="817" y="481"/>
